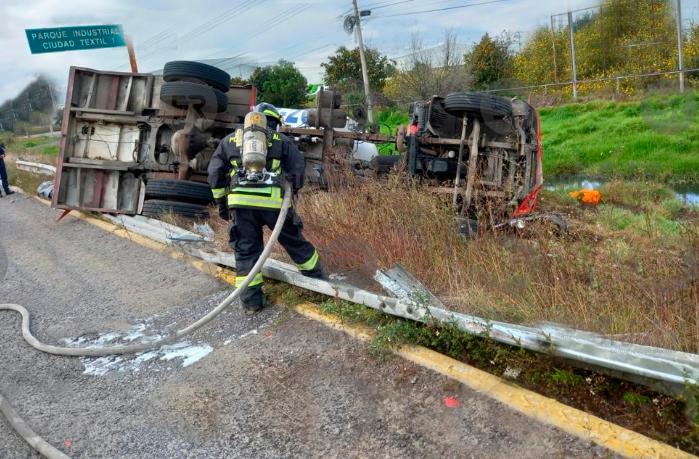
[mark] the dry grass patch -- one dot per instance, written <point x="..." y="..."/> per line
<point x="631" y="273"/>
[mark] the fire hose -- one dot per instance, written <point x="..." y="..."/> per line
<point x="43" y="447"/>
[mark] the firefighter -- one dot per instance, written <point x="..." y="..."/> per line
<point x="247" y="186"/>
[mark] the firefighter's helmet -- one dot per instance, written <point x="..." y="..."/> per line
<point x="271" y="112"/>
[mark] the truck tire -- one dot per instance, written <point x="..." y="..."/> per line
<point x="154" y="208"/>
<point x="196" y="71"/>
<point x="479" y="104"/>
<point x="179" y="190"/>
<point x="184" y="93"/>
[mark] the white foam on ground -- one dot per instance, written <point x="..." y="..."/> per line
<point x="183" y="352"/>
<point x="188" y="352"/>
<point x="245" y="335"/>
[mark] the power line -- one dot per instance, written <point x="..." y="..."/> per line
<point x="199" y="29"/>
<point x="149" y="42"/>
<point x="284" y="16"/>
<point x="220" y="19"/>
<point x="306" y="53"/>
<point x="297" y="44"/>
<point x="387" y="5"/>
<point x="375" y="6"/>
<point x="410" y="13"/>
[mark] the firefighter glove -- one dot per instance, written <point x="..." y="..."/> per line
<point x="296" y="182"/>
<point x="223" y="211"/>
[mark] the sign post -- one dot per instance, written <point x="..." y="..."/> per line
<point x="132" y="55"/>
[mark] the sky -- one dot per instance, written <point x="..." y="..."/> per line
<point x="256" y="31"/>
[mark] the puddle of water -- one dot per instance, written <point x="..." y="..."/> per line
<point x="688" y="194"/>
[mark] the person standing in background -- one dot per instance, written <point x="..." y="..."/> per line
<point x="3" y="172"/>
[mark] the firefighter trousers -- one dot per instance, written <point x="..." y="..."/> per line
<point x="245" y="238"/>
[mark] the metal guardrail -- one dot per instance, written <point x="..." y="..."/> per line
<point x="664" y="370"/>
<point x="39" y="168"/>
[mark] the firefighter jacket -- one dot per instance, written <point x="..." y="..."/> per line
<point x="283" y="158"/>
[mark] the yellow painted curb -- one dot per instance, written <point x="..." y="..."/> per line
<point x="543" y="409"/>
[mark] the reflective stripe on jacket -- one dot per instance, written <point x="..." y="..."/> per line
<point x="283" y="158"/>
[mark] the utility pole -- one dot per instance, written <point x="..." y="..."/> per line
<point x="553" y="44"/>
<point x="365" y="73"/>
<point x="680" y="43"/>
<point x="572" y="55"/>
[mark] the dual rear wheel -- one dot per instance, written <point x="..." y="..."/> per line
<point x="194" y="84"/>
<point x="187" y="85"/>
<point x="179" y="197"/>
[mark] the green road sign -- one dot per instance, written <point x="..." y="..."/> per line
<point x="75" y="38"/>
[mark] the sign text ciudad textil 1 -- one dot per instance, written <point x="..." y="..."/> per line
<point x="75" y="38"/>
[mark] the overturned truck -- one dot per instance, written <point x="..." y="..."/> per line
<point x="140" y="143"/>
<point x="488" y="147"/>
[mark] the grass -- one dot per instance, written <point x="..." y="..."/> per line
<point x="41" y="149"/>
<point x="37" y="149"/>
<point x="635" y="399"/>
<point x="566" y="377"/>
<point x="627" y="269"/>
<point x="657" y="137"/>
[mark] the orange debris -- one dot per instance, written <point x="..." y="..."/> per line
<point x="587" y="197"/>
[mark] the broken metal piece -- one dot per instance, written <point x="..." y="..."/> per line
<point x="39" y="168"/>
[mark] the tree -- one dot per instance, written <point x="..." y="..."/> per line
<point x="622" y="38"/>
<point x="536" y="63"/>
<point x="239" y="81"/>
<point x="490" y="61"/>
<point x="281" y="85"/>
<point x="344" y="69"/>
<point x="35" y="97"/>
<point x="425" y="73"/>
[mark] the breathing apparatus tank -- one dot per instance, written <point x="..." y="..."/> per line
<point x="254" y="151"/>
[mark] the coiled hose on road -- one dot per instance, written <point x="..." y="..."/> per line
<point x="45" y="448"/>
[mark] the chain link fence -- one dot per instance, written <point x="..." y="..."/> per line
<point x="617" y="49"/>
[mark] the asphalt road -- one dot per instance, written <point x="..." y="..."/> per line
<point x="276" y="385"/>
